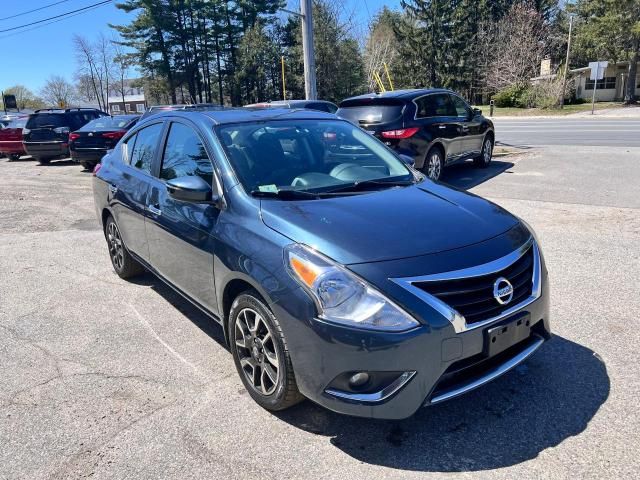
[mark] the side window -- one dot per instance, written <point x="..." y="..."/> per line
<point x="144" y="149"/>
<point x="435" y="105"/>
<point x="462" y="110"/>
<point x="184" y="155"/>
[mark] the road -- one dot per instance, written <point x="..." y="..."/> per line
<point x="104" y="378"/>
<point x="583" y="131"/>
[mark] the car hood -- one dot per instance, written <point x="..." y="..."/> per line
<point x="389" y="224"/>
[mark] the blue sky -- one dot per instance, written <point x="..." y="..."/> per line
<point x="31" y="54"/>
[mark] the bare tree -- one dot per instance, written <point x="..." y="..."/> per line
<point x="516" y="45"/>
<point x="122" y="63"/>
<point x="87" y="65"/>
<point x="105" y="54"/>
<point x="57" y="91"/>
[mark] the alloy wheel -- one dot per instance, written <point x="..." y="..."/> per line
<point x="257" y="352"/>
<point x="116" y="249"/>
<point x="486" y="152"/>
<point x="434" y="167"/>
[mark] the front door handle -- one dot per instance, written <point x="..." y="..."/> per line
<point x="154" y="209"/>
<point x="113" y="189"/>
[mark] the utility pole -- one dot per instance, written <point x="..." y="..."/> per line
<point x="566" y="63"/>
<point x="307" y="48"/>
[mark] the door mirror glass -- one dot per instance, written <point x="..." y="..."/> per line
<point x="190" y="189"/>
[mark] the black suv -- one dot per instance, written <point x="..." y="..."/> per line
<point x="433" y="126"/>
<point x="46" y="134"/>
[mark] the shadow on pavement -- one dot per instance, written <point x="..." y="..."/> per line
<point x="465" y="175"/>
<point x="205" y="323"/>
<point x="535" y="407"/>
<point x="60" y="163"/>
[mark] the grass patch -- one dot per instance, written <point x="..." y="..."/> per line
<point x="531" y="112"/>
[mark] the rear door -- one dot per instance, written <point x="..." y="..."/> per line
<point x="129" y="191"/>
<point x="180" y="234"/>
<point x="438" y="116"/>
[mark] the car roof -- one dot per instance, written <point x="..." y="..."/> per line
<point x="407" y="94"/>
<point x="245" y="115"/>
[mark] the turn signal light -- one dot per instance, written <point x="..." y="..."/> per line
<point x="402" y="133"/>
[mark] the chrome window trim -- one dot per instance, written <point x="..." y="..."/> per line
<point x="490" y="375"/>
<point x="375" y="397"/>
<point x="454" y="317"/>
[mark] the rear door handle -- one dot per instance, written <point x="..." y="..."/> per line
<point x="113" y="189"/>
<point x="154" y="209"/>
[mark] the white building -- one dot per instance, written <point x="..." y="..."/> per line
<point x="611" y="88"/>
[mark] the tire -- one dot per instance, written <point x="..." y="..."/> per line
<point x="44" y="161"/>
<point x="14" y="156"/>
<point x="434" y="164"/>
<point x="259" y="347"/>
<point x="121" y="260"/>
<point x="87" y="166"/>
<point x="484" y="160"/>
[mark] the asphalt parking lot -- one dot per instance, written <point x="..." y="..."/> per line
<point x="105" y="378"/>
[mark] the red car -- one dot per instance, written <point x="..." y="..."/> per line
<point x="11" y="139"/>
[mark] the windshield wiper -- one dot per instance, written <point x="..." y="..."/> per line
<point x="364" y="184"/>
<point x="285" y="194"/>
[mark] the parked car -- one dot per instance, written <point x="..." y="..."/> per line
<point x="436" y="127"/>
<point x="11" y="139"/>
<point x="46" y="134"/>
<point x="91" y="142"/>
<point x="337" y="272"/>
<point x="320" y="105"/>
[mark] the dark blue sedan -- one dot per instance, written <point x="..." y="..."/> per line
<point x="337" y="272"/>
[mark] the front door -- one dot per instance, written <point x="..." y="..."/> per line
<point x="180" y="234"/>
<point x="469" y="126"/>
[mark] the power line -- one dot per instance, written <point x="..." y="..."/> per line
<point x="48" y="23"/>
<point x="34" y="10"/>
<point x="56" y="16"/>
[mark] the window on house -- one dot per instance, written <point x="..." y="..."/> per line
<point x="605" y="83"/>
<point x="140" y="108"/>
<point x="127" y="107"/>
<point x="115" y="108"/>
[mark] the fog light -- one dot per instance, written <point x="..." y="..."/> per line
<point x="359" y="379"/>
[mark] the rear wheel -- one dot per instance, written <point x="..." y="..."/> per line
<point x="123" y="263"/>
<point x="14" y="156"/>
<point x="260" y="353"/>
<point x="87" y="166"/>
<point x="44" y="160"/>
<point x="434" y="164"/>
<point x="484" y="160"/>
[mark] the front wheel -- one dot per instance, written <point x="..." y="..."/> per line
<point x="434" y="164"/>
<point x="484" y="160"/>
<point x="260" y="353"/>
<point x="44" y="160"/>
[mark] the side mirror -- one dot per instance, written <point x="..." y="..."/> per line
<point x="476" y="112"/>
<point x="191" y="189"/>
<point x="406" y="159"/>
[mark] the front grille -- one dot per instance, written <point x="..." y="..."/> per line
<point x="473" y="297"/>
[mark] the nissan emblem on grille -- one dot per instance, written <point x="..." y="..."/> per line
<point x="502" y="291"/>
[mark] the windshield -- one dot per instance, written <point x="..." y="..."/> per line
<point x="308" y="155"/>
<point x="108" y="123"/>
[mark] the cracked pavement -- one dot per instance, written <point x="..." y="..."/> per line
<point x="105" y="378"/>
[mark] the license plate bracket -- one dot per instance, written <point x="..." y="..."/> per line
<point x="507" y="334"/>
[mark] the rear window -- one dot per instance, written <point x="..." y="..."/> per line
<point x="52" y="120"/>
<point x="108" y="123"/>
<point x="369" y="111"/>
<point x="17" y="123"/>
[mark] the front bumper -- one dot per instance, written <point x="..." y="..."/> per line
<point x="434" y="362"/>
<point x="46" y="149"/>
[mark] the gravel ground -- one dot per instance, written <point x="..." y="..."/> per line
<point x="104" y="378"/>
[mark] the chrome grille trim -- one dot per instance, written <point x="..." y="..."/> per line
<point x="454" y="317"/>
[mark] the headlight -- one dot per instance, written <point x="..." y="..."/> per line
<point x="341" y="296"/>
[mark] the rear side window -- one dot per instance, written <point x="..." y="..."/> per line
<point x="371" y="110"/>
<point x="47" y="120"/>
<point x="184" y="155"/>
<point x="142" y="147"/>
<point x="435" y="105"/>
